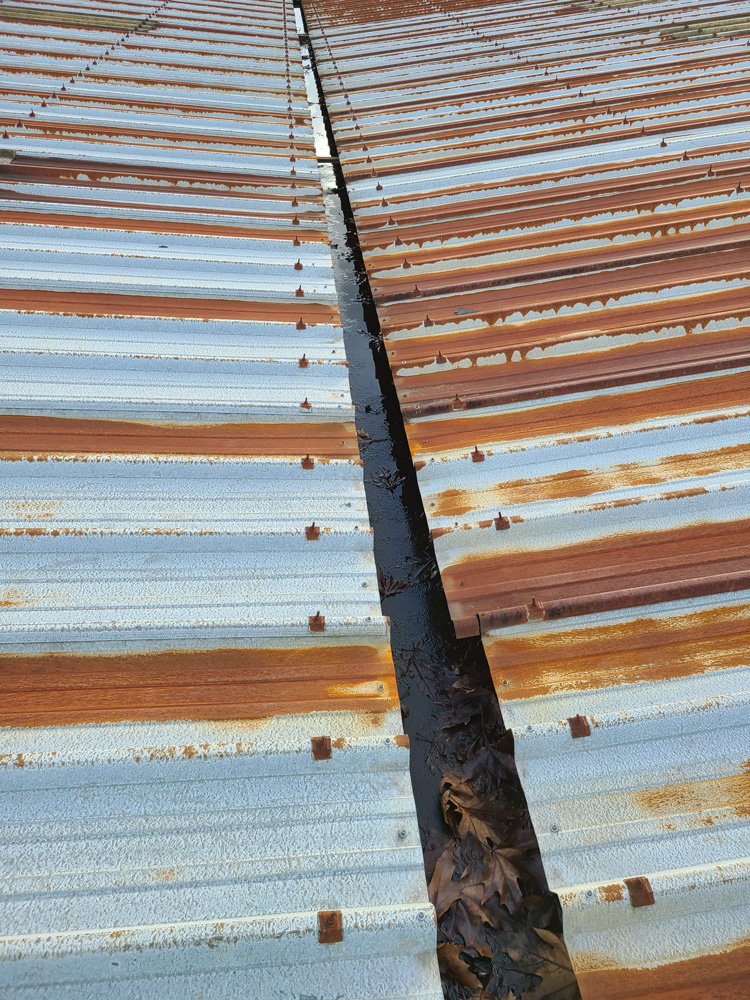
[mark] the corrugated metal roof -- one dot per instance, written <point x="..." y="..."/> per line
<point x="216" y="855"/>
<point x="184" y="532"/>
<point x="553" y="203"/>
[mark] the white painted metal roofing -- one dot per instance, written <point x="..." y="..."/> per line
<point x="188" y="594"/>
<point x="215" y="855"/>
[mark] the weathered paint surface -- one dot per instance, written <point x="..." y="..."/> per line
<point x="188" y="596"/>
<point x="553" y="203"/>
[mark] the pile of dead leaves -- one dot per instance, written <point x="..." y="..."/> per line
<point x="499" y="926"/>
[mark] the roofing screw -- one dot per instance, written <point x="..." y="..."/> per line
<point x="420" y="915"/>
<point x="381" y="687"/>
<point x="501" y="523"/>
<point x="529" y="729"/>
<point x="555" y="828"/>
<point x="402" y="834"/>
<point x="589" y="893"/>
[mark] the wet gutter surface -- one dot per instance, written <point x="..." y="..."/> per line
<point x="500" y="929"/>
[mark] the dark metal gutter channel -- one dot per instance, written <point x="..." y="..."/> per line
<point x="459" y="744"/>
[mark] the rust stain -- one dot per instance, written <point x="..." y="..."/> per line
<point x="616" y="562"/>
<point x="557" y="420"/>
<point x="585" y="482"/>
<point x="646" y="649"/>
<point x="164" y="874"/>
<point x="14" y="598"/>
<point x="729" y="792"/>
<point x="722" y="976"/>
<point x="219" y="684"/>
<point x="23" y="437"/>
<point x="611" y="893"/>
<point x="165" y="307"/>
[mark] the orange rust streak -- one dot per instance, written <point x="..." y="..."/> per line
<point x="558" y="419"/>
<point x="108" y="304"/>
<point x="646" y="649"/>
<point x="616" y="562"/>
<point x="26" y="437"/>
<point x="729" y="792"/>
<point x="585" y="482"/>
<point x="162" y="226"/>
<point x="723" y="976"/>
<point x="64" y="689"/>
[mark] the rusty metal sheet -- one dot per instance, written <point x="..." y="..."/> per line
<point x="554" y="205"/>
<point x="189" y="606"/>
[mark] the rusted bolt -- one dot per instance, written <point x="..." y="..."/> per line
<point x="312" y="532"/>
<point x="391" y="221"/>
<point x="303" y="362"/>
<point x="428" y="321"/>
<point x="406" y="265"/>
<point x="295" y="220"/>
<point x="317" y="622"/>
<point x="640" y="891"/>
<point x="300" y="292"/>
<point x="579" y="727"/>
<point x="378" y="186"/>
<point x="710" y="172"/>
<point x="440" y="359"/>
<point x="535" y="609"/>
<point x="296" y="242"/>
<point x="44" y="104"/>
<point x="295" y="202"/>
<point x="663" y="143"/>
<point x="330" y="927"/>
<point x="308" y="463"/>
<point x="384" y="203"/>
<point x="305" y="404"/>
<point x="321" y="747"/>
<point x="301" y="325"/>
<point x="32" y="115"/>
<point x="458" y="403"/>
<point x="398" y="242"/>
<point x="298" y="266"/>
<point x="685" y="156"/>
<point x="477" y="455"/>
<point x="501" y="523"/>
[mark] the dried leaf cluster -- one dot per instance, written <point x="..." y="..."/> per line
<point x="499" y="926"/>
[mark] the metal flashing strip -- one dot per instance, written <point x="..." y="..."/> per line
<point x="552" y="201"/>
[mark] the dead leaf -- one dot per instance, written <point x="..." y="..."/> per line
<point x="454" y="966"/>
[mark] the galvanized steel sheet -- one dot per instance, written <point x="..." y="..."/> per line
<point x="188" y="593"/>
<point x="553" y="201"/>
